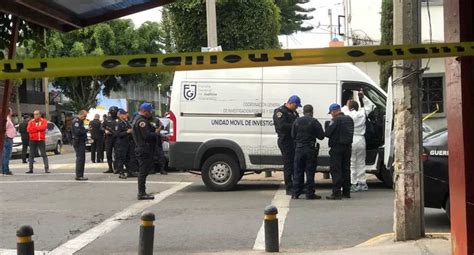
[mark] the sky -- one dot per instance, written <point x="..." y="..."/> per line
<point x="318" y="37"/>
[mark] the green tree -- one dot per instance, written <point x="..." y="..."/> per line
<point x="117" y="37"/>
<point x="28" y="32"/>
<point x="387" y="39"/>
<point x="293" y="16"/>
<point x="241" y="24"/>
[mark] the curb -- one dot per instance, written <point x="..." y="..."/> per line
<point x="375" y="239"/>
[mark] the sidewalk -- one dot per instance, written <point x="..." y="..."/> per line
<point x="432" y="244"/>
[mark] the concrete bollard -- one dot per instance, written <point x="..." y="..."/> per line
<point x="272" y="242"/>
<point x="147" y="234"/>
<point x="24" y="242"/>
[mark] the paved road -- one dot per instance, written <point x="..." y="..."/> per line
<point x="101" y="216"/>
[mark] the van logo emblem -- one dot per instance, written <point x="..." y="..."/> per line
<point x="190" y="91"/>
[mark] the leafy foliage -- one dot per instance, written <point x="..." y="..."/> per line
<point x="387" y="39"/>
<point x="293" y="16"/>
<point x="117" y="37"/>
<point x="241" y="24"/>
<point x="28" y="32"/>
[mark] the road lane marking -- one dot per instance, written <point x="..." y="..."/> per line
<point x="70" y="173"/>
<point x="282" y="203"/>
<point x="76" y="244"/>
<point x="13" y="252"/>
<point x="74" y="181"/>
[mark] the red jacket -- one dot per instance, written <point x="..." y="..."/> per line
<point x="37" y="129"/>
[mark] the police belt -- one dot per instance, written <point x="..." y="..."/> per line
<point x="310" y="144"/>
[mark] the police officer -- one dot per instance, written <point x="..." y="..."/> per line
<point x="110" y="124"/>
<point x="305" y="131"/>
<point x="144" y="135"/>
<point x="283" y="118"/>
<point x="125" y="146"/>
<point x="340" y="131"/>
<point x="79" y="138"/>
<point x="97" y="134"/>
<point x="159" y="155"/>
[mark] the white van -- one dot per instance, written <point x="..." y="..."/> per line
<point x="223" y="123"/>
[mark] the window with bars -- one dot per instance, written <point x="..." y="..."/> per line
<point x="433" y="94"/>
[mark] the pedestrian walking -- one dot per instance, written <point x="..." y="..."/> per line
<point x="305" y="131"/>
<point x="37" y="133"/>
<point x="10" y="133"/>
<point x="125" y="146"/>
<point x="283" y="118"/>
<point x="159" y="156"/>
<point x="109" y="125"/>
<point x="144" y="135"/>
<point x="25" y="137"/>
<point x="97" y="135"/>
<point x="340" y="131"/>
<point x="79" y="138"/>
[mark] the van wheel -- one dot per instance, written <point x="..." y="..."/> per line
<point x="387" y="177"/>
<point x="220" y="172"/>
<point x="58" y="148"/>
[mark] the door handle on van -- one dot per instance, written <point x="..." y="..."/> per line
<point x="258" y="114"/>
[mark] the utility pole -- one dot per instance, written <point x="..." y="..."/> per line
<point x="159" y="99"/>
<point x="211" y="23"/>
<point x="408" y="172"/>
<point x="330" y="24"/>
<point x="46" y="97"/>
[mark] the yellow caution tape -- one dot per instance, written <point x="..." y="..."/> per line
<point x="129" y="64"/>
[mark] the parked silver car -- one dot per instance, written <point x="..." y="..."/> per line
<point x="54" y="140"/>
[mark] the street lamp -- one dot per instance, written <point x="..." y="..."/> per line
<point x="159" y="98"/>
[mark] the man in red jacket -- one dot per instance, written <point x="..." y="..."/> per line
<point x="37" y="131"/>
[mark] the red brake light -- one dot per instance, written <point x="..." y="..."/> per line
<point x="172" y="118"/>
<point x="424" y="156"/>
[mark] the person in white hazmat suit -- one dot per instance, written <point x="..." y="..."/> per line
<point x="358" y="175"/>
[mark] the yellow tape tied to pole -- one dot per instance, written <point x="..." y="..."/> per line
<point x="130" y="64"/>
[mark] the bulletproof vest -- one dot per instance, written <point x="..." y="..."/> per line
<point x="305" y="130"/>
<point x="110" y="124"/>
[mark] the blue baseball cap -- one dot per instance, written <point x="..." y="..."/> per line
<point x="121" y="111"/>
<point x="333" y="107"/>
<point x="296" y="100"/>
<point x="146" y="107"/>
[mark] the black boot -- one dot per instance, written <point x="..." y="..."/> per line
<point x="334" y="197"/>
<point x="163" y="172"/>
<point x="312" y="197"/>
<point x="145" y="196"/>
<point x="122" y="176"/>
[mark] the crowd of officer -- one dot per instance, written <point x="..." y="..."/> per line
<point x="133" y="146"/>
<point x="297" y="140"/>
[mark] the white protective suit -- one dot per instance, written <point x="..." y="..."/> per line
<point x="358" y="146"/>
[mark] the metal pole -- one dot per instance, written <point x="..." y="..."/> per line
<point x="24" y="242"/>
<point x="147" y="234"/>
<point x="46" y="97"/>
<point x="330" y="24"/>
<point x="408" y="172"/>
<point x="272" y="242"/>
<point x="159" y="99"/>
<point x="211" y="23"/>
<point x="7" y="89"/>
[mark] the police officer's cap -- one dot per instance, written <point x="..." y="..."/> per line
<point x="122" y="111"/>
<point x="308" y="108"/>
<point x="146" y="107"/>
<point x="333" y="107"/>
<point x="295" y="99"/>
